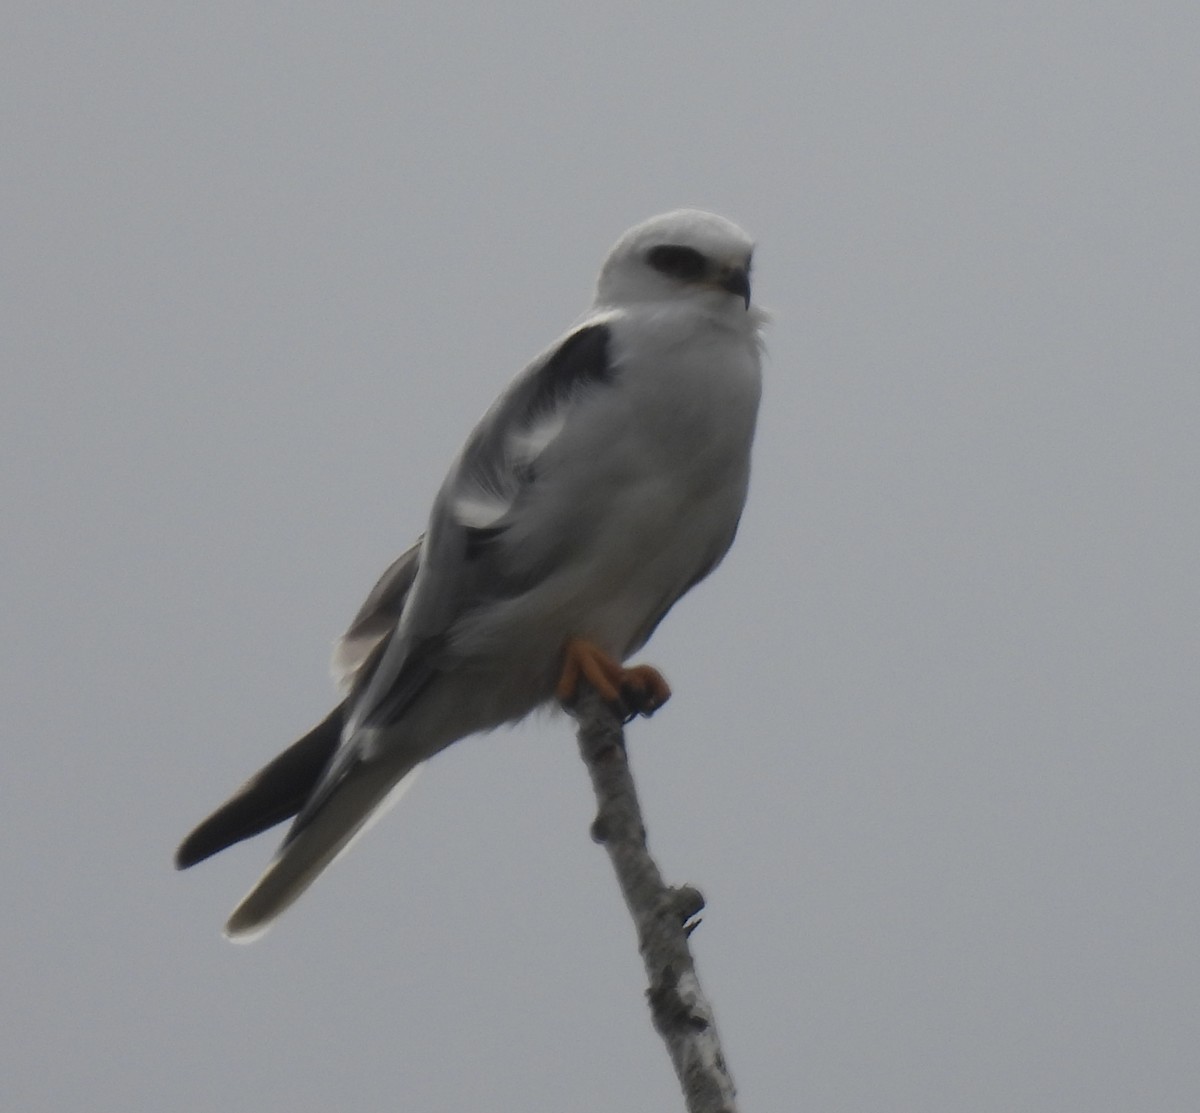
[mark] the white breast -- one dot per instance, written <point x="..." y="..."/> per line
<point x="639" y="493"/>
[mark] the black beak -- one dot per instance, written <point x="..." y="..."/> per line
<point x="737" y="281"/>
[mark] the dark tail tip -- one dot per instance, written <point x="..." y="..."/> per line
<point x="277" y="792"/>
<point x="196" y="847"/>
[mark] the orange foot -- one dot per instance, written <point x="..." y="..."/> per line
<point x="640" y="690"/>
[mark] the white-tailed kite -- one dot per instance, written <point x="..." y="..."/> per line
<point x="603" y="484"/>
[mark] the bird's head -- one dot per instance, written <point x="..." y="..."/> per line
<point x="680" y="255"/>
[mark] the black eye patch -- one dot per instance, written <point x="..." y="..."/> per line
<point x="685" y="263"/>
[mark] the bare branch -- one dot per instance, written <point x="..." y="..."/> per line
<point x="664" y="916"/>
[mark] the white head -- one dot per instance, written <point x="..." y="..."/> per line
<point x="685" y="253"/>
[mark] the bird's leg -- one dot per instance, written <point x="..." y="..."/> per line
<point x="640" y="690"/>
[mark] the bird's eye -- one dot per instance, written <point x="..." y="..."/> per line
<point x="685" y="263"/>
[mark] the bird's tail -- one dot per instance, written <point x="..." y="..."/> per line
<point x="361" y="797"/>
<point x="276" y="792"/>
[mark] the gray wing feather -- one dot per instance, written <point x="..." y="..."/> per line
<point x="376" y="619"/>
<point x="458" y="569"/>
<point x="453" y="568"/>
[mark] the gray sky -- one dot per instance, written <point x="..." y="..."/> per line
<point x="934" y="754"/>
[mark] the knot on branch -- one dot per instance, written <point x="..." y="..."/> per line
<point x="687" y="901"/>
<point x="607" y="827"/>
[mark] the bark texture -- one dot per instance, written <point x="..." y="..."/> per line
<point x="663" y="916"/>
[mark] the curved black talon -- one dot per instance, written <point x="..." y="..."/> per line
<point x="635" y="702"/>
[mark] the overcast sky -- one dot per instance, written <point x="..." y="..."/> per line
<point x="934" y="751"/>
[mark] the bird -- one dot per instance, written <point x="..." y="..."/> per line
<point x="603" y="484"/>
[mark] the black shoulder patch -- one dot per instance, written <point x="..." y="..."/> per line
<point x="580" y="359"/>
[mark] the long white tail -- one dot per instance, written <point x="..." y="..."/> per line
<point x="367" y="792"/>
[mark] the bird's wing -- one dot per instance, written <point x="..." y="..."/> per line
<point x="453" y="569"/>
<point x="493" y="475"/>
<point x="376" y="619"/>
<point x="457" y="568"/>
